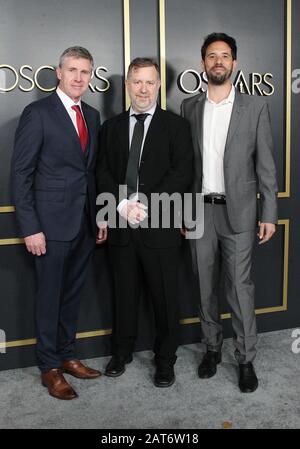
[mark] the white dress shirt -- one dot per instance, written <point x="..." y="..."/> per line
<point x="68" y="103"/>
<point x="215" y="129"/>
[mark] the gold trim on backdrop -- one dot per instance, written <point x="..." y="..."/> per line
<point x="90" y="334"/>
<point x="286" y="224"/>
<point x="126" y="13"/>
<point x="18" y="343"/>
<point x="13" y="241"/>
<point x="287" y="192"/>
<point x="32" y="341"/>
<point x="263" y="310"/>
<point x="194" y="320"/>
<point x="7" y="209"/>
<point x="162" y="54"/>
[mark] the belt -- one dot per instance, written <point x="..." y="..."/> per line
<point x="215" y="199"/>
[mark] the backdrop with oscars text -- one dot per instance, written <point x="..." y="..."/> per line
<point x="34" y="34"/>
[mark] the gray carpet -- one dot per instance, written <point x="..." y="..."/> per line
<point x="132" y="402"/>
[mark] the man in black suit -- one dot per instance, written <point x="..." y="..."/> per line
<point x="149" y="151"/>
<point x="53" y="180"/>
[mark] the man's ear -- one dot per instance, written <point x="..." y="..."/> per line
<point x="58" y="73"/>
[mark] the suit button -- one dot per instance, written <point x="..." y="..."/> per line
<point x="142" y="184"/>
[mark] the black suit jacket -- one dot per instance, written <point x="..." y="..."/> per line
<point x="166" y="166"/>
<point x="52" y="180"/>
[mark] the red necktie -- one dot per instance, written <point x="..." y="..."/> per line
<point x="82" y="131"/>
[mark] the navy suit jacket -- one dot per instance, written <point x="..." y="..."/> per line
<point x="52" y="180"/>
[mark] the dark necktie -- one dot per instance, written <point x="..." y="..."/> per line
<point x="82" y="131"/>
<point x="134" y="154"/>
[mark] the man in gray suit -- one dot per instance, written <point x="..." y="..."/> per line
<point x="233" y="162"/>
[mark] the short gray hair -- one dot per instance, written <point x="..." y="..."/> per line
<point x="76" y="52"/>
<point x="139" y="63"/>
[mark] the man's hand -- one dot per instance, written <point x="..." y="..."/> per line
<point x="36" y="244"/>
<point x="266" y="230"/>
<point x="102" y="233"/>
<point x="133" y="212"/>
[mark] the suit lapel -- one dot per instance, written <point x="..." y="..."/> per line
<point x="198" y="121"/>
<point x="155" y="129"/>
<point x="90" y="126"/>
<point x="237" y="112"/>
<point x="123" y="134"/>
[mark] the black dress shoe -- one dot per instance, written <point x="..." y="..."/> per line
<point x="248" y="381"/>
<point x="208" y="366"/>
<point x="116" y="365"/>
<point x="164" y="376"/>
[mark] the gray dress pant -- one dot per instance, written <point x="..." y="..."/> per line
<point x="221" y="248"/>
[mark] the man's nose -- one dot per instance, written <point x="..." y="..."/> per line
<point x="77" y="77"/>
<point x="219" y="60"/>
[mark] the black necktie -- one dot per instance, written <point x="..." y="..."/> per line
<point x="134" y="154"/>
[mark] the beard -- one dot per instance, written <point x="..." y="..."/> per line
<point x="220" y="79"/>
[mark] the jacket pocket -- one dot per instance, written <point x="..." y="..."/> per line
<point x="250" y="186"/>
<point x="48" y="184"/>
<point x="53" y="195"/>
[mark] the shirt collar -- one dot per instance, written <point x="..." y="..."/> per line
<point x="150" y="111"/>
<point x="229" y="99"/>
<point x="66" y="100"/>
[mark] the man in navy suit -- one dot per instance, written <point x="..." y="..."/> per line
<point x="54" y="192"/>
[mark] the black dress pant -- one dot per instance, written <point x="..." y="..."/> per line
<point x="61" y="273"/>
<point x="158" y="267"/>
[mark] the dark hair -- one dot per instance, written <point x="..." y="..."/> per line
<point x="76" y="52"/>
<point x="214" y="37"/>
<point x="138" y="63"/>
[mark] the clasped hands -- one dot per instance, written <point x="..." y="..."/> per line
<point x="132" y="211"/>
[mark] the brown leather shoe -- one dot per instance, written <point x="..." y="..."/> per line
<point x="57" y="385"/>
<point x="77" y="369"/>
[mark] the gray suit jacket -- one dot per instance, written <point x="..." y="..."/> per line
<point x="249" y="165"/>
